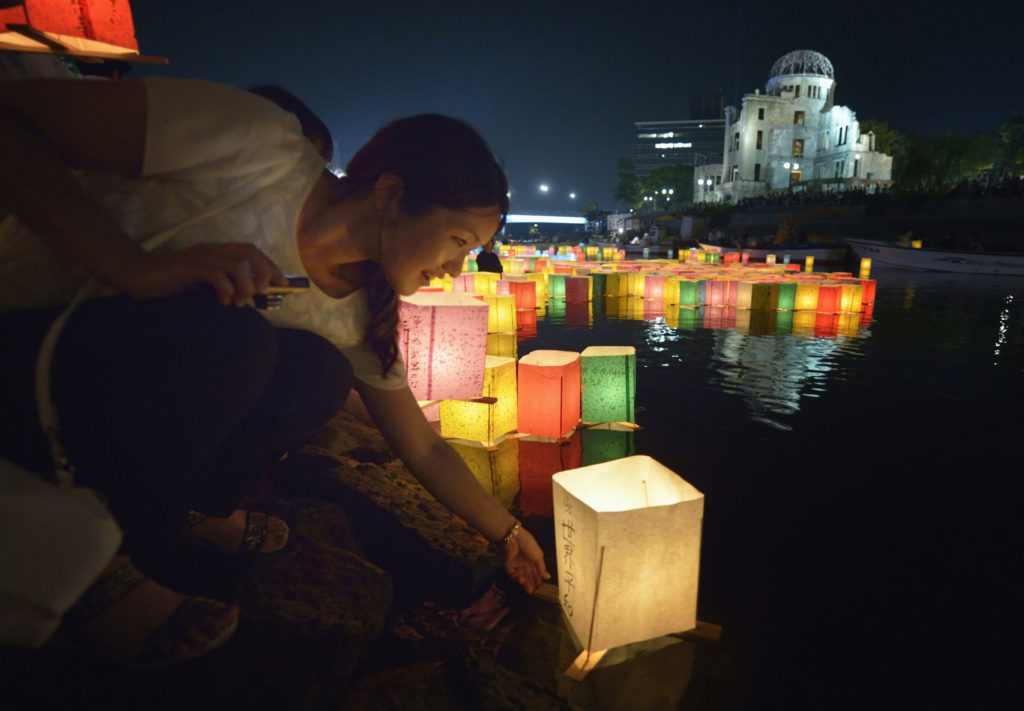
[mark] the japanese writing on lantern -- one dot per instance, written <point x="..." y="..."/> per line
<point x="568" y="545"/>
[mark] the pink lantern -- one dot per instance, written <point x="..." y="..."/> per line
<point x="442" y="338"/>
<point x="549" y="393"/>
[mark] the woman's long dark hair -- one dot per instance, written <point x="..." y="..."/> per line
<point x="442" y="162"/>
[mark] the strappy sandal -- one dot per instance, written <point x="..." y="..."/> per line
<point x="254" y="535"/>
<point x="160" y="648"/>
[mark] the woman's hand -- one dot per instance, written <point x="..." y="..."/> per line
<point x="524" y="561"/>
<point x="235" y="270"/>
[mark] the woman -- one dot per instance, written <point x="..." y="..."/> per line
<point x="183" y="199"/>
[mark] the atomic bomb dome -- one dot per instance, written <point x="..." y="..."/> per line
<point x="793" y="137"/>
<point x="802" y="61"/>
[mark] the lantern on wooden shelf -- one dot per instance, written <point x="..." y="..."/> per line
<point x="629" y="534"/>
<point x="482" y="421"/>
<point x="608" y="378"/>
<point x="442" y="338"/>
<point x="549" y="393"/>
<point x="99" y="29"/>
<point x="496" y="468"/>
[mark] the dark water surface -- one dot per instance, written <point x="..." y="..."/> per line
<point x="863" y="496"/>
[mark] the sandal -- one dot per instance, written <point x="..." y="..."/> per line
<point x="163" y="646"/>
<point x="256" y="534"/>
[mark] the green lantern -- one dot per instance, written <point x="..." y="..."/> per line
<point x="608" y="378"/>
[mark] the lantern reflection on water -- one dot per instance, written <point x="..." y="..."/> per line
<point x="539" y="459"/>
<point x="503" y="344"/>
<point x="496" y="468"/>
<point x="549" y="393"/>
<point x="629" y="531"/>
<point x="606" y="442"/>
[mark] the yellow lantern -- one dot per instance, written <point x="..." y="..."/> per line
<point x="501" y="317"/>
<point x="490" y="417"/>
<point x="809" y="263"/>
<point x="757" y="295"/>
<point x="628" y="534"/>
<point x="806" y="296"/>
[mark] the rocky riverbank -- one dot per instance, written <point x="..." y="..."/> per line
<point x="381" y="600"/>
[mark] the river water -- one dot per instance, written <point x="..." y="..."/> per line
<point x="862" y="483"/>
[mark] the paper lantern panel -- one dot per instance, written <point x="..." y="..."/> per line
<point x="485" y="421"/>
<point x="442" y="338"/>
<point x="608" y="377"/>
<point x="549" y="393"/>
<point x="629" y="534"/>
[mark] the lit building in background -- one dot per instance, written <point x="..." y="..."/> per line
<point x="667" y="143"/>
<point x="792" y="137"/>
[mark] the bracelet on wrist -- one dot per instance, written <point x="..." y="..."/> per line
<point x="512" y="533"/>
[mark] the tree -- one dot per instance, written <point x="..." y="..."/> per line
<point x="627" y="190"/>
<point x="592" y="211"/>
<point x="935" y="164"/>
<point x="891" y="141"/>
<point x="668" y="186"/>
<point x="1011" y="152"/>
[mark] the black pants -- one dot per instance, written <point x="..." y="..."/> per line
<point x="169" y="404"/>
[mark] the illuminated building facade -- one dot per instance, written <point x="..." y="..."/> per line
<point x="667" y="143"/>
<point x="792" y="137"/>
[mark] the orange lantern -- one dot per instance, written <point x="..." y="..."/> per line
<point x="549" y="393"/>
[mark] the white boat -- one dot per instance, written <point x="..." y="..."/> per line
<point x="830" y="253"/>
<point x="939" y="260"/>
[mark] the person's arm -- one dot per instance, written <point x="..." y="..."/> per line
<point x="47" y="128"/>
<point x="445" y="475"/>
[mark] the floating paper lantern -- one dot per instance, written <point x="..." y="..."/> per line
<point x="757" y="295"/>
<point x="806" y="296"/>
<point x="628" y="534"/>
<point x="481" y="421"/>
<point x="524" y="291"/>
<point x="635" y="283"/>
<point x="829" y="298"/>
<point x="556" y="286"/>
<point x="654" y="287"/>
<point x="617" y="284"/>
<point x="869" y="287"/>
<point x="549" y="393"/>
<point x="608" y="377"/>
<point x="809" y="263"/>
<point x="501" y="316"/>
<point x="787" y="296"/>
<point x="577" y="290"/>
<point x="81" y="28"/>
<point x="464" y="283"/>
<point x="442" y="338"/>
<point x="769" y="259"/>
<point x="496" y="468"/>
<point x="850" y="298"/>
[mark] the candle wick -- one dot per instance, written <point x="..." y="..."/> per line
<point x="646" y="500"/>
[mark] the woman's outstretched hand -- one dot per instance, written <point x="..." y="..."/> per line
<point x="236" y="271"/>
<point x="524" y="561"/>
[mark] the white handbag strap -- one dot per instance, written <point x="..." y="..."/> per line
<point x="63" y="469"/>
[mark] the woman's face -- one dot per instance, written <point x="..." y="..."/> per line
<point x="417" y="249"/>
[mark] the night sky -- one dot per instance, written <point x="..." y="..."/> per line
<point x="555" y="87"/>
